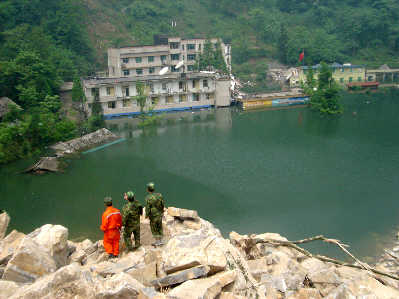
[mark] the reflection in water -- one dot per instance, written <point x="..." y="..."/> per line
<point x="219" y="119"/>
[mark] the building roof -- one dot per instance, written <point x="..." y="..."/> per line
<point x="4" y="103"/>
<point x="363" y="84"/>
<point x="384" y="67"/>
<point x="334" y="65"/>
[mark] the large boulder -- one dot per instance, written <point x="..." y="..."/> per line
<point x="208" y="288"/>
<point x="131" y="261"/>
<point x="8" y="288"/>
<point x="9" y="245"/>
<point x="119" y="286"/>
<point x="183" y="213"/>
<point x="67" y="282"/>
<point x="29" y="262"/>
<point x="144" y="273"/>
<point x="54" y="238"/>
<point x="4" y="221"/>
<point x="198" y="248"/>
<point x="181" y="276"/>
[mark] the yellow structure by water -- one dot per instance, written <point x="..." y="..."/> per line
<point x="342" y="73"/>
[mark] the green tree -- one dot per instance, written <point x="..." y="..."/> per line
<point x="325" y="97"/>
<point x="283" y="44"/>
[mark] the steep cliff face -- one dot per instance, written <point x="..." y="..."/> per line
<point x="195" y="262"/>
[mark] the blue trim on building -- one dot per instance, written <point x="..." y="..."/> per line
<point x="109" y="116"/>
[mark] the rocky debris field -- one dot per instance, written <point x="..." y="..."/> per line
<point x="195" y="262"/>
<point x="86" y="141"/>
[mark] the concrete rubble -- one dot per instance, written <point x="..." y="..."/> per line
<point x="78" y="144"/>
<point x="195" y="262"/>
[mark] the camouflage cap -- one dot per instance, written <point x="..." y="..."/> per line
<point x="108" y="199"/>
<point x="151" y="185"/>
<point x="130" y="194"/>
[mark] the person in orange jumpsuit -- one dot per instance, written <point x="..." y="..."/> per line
<point x="111" y="224"/>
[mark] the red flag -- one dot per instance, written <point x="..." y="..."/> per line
<point x="302" y="56"/>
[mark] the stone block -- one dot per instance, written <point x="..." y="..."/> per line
<point x="150" y="293"/>
<point x="54" y="238"/>
<point x="145" y="274"/>
<point x="119" y="286"/>
<point x="9" y="245"/>
<point x="29" y="262"/>
<point x="182" y="276"/>
<point x="187" y="251"/>
<point x="209" y="287"/>
<point x="182" y="213"/>
<point x="4" y="221"/>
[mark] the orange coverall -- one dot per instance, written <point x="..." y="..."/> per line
<point x="111" y="225"/>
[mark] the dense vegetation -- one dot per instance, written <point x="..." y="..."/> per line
<point x="265" y="31"/>
<point x="46" y="42"/>
<point x="42" y="44"/>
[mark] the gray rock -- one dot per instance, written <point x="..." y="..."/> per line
<point x="9" y="245"/>
<point x="182" y="213"/>
<point x="119" y="286"/>
<point x="187" y="251"/>
<point x="4" y="221"/>
<point x="54" y="239"/>
<point x="145" y="274"/>
<point x="150" y="293"/>
<point x="8" y="288"/>
<point x="181" y="276"/>
<point x="209" y="287"/>
<point x="29" y="262"/>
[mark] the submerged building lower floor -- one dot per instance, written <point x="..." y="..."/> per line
<point x="172" y="92"/>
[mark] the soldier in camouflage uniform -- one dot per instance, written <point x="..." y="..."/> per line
<point x="154" y="210"/>
<point x="131" y="221"/>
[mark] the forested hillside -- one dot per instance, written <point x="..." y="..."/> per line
<point x="45" y="42"/>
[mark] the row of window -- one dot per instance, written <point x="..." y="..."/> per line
<point x="163" y="58"/>
<point x="151" y="70"/>
<point x="155" y="100"/>
<point x="110" y="90"/>
<point x="342" y="80"/>
<point x="175" y="45"/>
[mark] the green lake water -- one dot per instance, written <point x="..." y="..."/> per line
<point x="285" y="171"/>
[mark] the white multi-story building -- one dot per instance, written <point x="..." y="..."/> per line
<point x="178" y="89"/>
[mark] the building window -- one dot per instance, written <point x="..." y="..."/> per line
<point x="154" y="100"/>
<point x="126" y="102"/>
<point x="196" y="97"/>
<point x="370" y="78"/>
<point x="341" y="80"/>
<point x="150" y="58"/>
<point x="170" y="99"/>
<point x="359" y="79"/>
<point x="138" y="59"/>
<point x="190" y="46"/>
<point x="152" y="87"/>
<point x="208" y="96"/>
<point x="90" y="105"/>
<point x="164" y="86"/>
<point x="174" y="56"/>
<point x="174" y="69"/>
<point x="95" y="92"/>
<point x="205" y="83"/>
<point x="151" y="70"/>
<point x="110" y="91"/>
<point x="182" y="98"/>
<point x="350" y="79"/>
<point x="343" y="70"/>
<point x="127" y="92"/>
<point x="182" y="46"/>
<point x="125" y="60"/>
<point x="139" y="71"/>
<point x="180" y="84"/>
<point x="195" y="83"/>
<point x="126" y="72"/>
<point x="111" y="105"/>
<point x="199" y="47"/>
<point x="163" y="57"/>
<point x="190" y="56"/>
<point x="190" y="68"/>
<point x="174" y="45"/>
